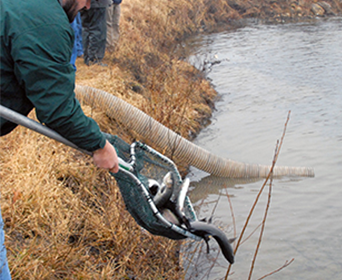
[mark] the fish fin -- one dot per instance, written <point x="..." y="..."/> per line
<point x="231" y="240"/>
<point x="186" y="222"/>
<point x="206" y="239"/>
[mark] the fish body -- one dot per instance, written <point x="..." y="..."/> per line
<point x="173" y="212"/>
<point x="162" y="192"/>
<point x="182" y="195"/>
<point x="206" y="230"/>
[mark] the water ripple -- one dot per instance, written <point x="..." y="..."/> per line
<point x="268" y="71"/>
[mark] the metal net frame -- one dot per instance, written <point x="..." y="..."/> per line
<point x="146" y="163"/>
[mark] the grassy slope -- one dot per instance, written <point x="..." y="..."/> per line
<point x="65" y="219"/>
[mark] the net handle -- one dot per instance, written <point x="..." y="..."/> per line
<point x="20" y="119"/>
<point x="124" y="167"/>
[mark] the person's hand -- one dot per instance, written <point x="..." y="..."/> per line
<point x="107" y="158"/>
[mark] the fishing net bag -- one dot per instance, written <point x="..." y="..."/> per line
<point x="133" y="185"/>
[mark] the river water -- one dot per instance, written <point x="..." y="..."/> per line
<point x="262" y="72"/>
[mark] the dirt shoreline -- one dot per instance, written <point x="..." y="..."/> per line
<point x="136" y="87"/>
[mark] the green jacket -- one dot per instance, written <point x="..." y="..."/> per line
<point x="36" y="43"/>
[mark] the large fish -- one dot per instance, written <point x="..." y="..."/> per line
<point x="173" y="212"/>
<point x="206" y="230"/>
<point x="161" y="193"/>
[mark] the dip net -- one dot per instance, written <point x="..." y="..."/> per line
<point x="146" y="163"/>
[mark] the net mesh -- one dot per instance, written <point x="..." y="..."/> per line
<point x="148" y="165"/>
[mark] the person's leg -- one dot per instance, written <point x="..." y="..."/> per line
<point x="116" y="22"/>
<point x="74" y="48"/>
<point x="4" y="270"/>
<point x="109" y="21"/>
<point x="113" y="32"/>
<point x="97" y="43"/>
<point x="93" y="34"/>
<point x="78" y="35"/>
<point x="86" y="24"/>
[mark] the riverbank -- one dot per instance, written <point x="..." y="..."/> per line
<point x="65" y="219"/>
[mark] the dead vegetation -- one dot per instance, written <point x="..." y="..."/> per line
<point x="65" y="219"/>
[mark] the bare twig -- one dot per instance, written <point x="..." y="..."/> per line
<point x="264" y="219"/>
<point x="215" y="206"/>
<point x="287" y="263"/>
<point x="258" y="196"/>
<point x="191" y="259"/>
<point x="231" y="211"/>
<point x="249" y="236"/>
<point x="212" y="266"/>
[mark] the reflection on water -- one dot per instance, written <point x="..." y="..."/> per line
<point x="212" y="185"/>
<point x="265" y="71"/>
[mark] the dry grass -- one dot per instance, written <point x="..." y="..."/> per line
<point x="65" y="219"/>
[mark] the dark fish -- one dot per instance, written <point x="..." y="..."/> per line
<point x="162" y="193"/>
<point x="173" y="212"/>
<point x="182" y="195"/>
<point x="206" y="230"/>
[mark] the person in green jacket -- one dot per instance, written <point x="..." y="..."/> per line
<point x="36" y="42"/>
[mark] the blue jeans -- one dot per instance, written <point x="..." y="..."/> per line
<point x="78" y="35"/>
<point x="74" y="48"/>
<point x="77" y="49"/>
<point x="4" y="270"/>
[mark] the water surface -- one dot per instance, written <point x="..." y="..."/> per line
<point x="265" y="71"/>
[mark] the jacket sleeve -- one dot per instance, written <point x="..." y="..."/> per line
<point x="43" y="69"/>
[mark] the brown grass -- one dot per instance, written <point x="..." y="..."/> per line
<point x="65" y="219"/>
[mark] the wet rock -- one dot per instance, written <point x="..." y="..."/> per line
<point x="326" y="6"/>
<point x="317" y="10"/>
